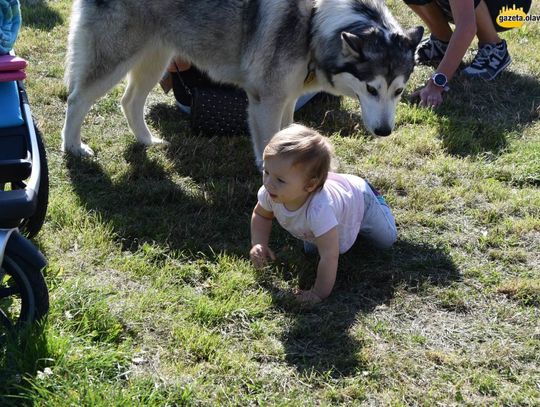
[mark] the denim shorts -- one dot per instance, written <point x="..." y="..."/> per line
<point x="378" y="224"/>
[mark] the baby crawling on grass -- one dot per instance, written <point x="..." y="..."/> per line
<point x="328" y="211"/>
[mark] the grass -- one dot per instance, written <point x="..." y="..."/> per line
<point x="154" y="301"/>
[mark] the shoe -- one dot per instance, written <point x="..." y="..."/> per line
<point x="183" y="108"/>
<point x="489" y="62"/>
<point x="430" y="51"/>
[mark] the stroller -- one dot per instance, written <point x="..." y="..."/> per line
<point x="24" y="188"/>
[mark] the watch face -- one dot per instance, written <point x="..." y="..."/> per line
<point x="439" y="79"/>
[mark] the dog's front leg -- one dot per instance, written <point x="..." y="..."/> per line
<point x="288" y="114"/>
<point x="78" y="104"/>
<point x="265" y="115"/>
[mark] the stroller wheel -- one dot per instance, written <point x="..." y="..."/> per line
<point x="24" y="297"/>
<point x="31" y="226"/>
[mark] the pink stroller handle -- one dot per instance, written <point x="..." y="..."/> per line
<point x="12" y="68"/>
<point x="12" y="63"/>
<point x="7" y="76"/>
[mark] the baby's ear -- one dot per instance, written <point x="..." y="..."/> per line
<point x="312" y="184"/>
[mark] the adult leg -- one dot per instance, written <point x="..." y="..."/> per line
<point x="486" y="31"/>
<point x="177" y="64"/>
<point x="433" y="16"/>
<point x="432" y="49"/>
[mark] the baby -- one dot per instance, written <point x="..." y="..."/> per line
<point x="328" y="211"/>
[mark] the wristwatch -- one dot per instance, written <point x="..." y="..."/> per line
<point x="440" y="80"/>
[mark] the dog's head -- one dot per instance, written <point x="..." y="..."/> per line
<point x="375" y="67"/>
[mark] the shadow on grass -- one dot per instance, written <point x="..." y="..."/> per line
<point x="192" y="208"/>
<point x="150" y="203"/>
<point x="201" y="157"/>
<point x="319" y="340"/>
<point x="37" y="14"/>
<point x="477" y="116"/>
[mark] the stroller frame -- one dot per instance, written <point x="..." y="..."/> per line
<point x="23" y="166"/>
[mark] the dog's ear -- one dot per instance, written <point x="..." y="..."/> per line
<point x="414" y="36"/>
<point x="354" y="45"/>
<point x="357" y="45"/>
<point x="351" y="44"/>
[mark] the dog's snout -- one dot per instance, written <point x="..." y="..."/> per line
<point x="383" y="131"/>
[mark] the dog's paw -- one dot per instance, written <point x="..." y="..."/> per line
<point x="79" y="151"/>
<point x="155" y="141"/>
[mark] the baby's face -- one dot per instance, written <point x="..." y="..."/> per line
<point x="286" y="183"/>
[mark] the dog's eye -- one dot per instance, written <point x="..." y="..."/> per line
<point x="399" y="91"/>
<point x="371" y="90"/>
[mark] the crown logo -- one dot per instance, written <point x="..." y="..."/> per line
<point x="511" y="17"/>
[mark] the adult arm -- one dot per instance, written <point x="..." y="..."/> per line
<point x="465" y="30"/>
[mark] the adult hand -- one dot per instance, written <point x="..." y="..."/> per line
<point x="430" y="95"/>
<point x="259" y="255"/>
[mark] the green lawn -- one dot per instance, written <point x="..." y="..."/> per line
<point x="154" y="300"/>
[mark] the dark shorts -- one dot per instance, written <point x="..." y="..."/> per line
<point x="443" y="4"/>
<point x="494" y="7"/>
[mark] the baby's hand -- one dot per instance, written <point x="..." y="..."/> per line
<point x="259" y="255"/>
<point x="307" y="297"/>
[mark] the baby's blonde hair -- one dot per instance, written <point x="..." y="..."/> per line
<point x="306" y="147"/>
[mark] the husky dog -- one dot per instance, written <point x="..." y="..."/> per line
<point x="276" y="50"/>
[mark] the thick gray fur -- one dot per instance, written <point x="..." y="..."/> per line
<point x="264" y="46"/>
